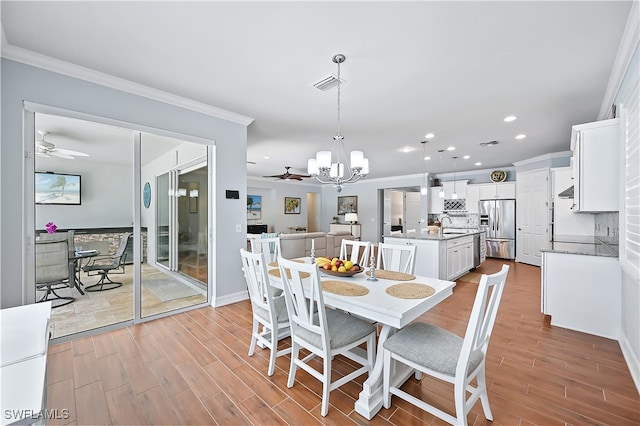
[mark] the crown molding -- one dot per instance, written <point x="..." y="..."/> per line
<point x="626" y="49"/>
<point x="543" y="157"/>
<point x="38" y="60"/>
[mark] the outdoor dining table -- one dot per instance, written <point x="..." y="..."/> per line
<point x="389" y="311"/>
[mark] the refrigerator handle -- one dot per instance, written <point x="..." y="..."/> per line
<point x="497" y="219"/>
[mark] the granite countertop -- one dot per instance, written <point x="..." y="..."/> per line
<point x="585" y="245"/>
<point x="435" y="236"/>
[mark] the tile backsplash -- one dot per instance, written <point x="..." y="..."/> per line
<point x="607" y="225"/>
<point x="469" y="220"/>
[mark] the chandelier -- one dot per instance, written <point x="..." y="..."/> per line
<point x="334" y="166"/>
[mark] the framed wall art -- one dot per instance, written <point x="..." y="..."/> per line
<point x="348" y="204"/>
<point x="254" y="206"/>
<point x="291" y="205"/>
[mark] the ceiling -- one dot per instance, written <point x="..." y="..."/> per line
<point x="456" y="69"/>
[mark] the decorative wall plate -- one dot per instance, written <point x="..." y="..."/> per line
<point x="498" y="176"/>
<point x="146" y="195"/>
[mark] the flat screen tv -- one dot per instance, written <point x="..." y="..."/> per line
<point x="57" y="188"/>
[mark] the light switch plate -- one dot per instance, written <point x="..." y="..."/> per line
<point x="238" y="228"/>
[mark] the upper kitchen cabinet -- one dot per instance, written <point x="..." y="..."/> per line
<point x="436" y="203"/>
<point x="473" y="197"/>
<point x="502" y="190"/>
<point x="594" y="163"/>
<point x="458" y="186"/>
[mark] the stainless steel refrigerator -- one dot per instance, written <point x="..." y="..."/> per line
<point x="498" y="219"/>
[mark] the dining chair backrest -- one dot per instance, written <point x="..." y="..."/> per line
<point x="304" y="299"/>
<point x="350" y="250"/>
<point x="395" y="232"/>
<point x="260" y="291"/>
<point x="482" y="318"/>
<point x="395" y="257"/>
<point x="411" y="231"/>
<point x="270" y="246"/>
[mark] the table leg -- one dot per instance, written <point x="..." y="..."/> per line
<point x="78" y="268"/>
<point x="370" y="400"/>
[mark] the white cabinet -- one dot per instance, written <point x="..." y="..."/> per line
<point x="460" y="187"/>
<point x="459" y="257"/>
<point x="595" y="166"/>
<point x="582" y="293"/>
<point x="473" y="196"/>
<point x="435" y="201"/>
<point x="502" y="190"/>
<point x="431" y="256"/>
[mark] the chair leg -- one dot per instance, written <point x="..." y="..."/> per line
<point x="295" y="352"/>
<point x="326" y="385"/>
<point x="254" y="332"/>
<point x="484" y="397"/>
<point x="104" y="281"/>
<point x="50" y="290"/>
<point x="460" y="397"/>
<point x="386" y="379"/>
<point x="274" y="352"/>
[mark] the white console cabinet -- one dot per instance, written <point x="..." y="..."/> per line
<point x="595" y="166"/>
<point x="459" y="257"/>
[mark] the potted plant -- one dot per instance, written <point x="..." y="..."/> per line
<point x="335" y="219"/>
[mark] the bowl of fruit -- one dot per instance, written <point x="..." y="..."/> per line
<point x="338" y="267"/>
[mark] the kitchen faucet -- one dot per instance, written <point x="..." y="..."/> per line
<point x="442" y="218"/>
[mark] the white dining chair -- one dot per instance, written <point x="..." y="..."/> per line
<point x="270" y="246"/>
<point x="350" y="250"/>
<point x="325" y="333"/>
<point x="411" y="231"/>
<point x="395" y="232"/>
<point x="396" y="257"/>
<point x="439" y="353"/>
<point x="268" y="310"/>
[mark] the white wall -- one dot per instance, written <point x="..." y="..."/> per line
<point x="273" y="194"/>
<point x="20" y="82"/>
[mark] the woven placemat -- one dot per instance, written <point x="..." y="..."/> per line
<point x="410" y="290"/>
<point x="276" y="273"/>
<point x="393" y="275"/>
<point x="344" y="288"/>
<point x="275" y="264"/>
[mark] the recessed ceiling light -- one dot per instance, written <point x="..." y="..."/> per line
<point x="430" y="135"/>
<point x="466" y="157"/>
<point x="427" y="158"/>
<point x="451" y="148"/>
<point x="521" y="136"/>
<point x="478" y="164"/>
<point x="267" y="157"/>
<point x="510" y="118"/>
<point x="406" y="149"/>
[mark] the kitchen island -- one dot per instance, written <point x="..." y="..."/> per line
<point x="581" y="284"/>
<point x="445" y="256"/>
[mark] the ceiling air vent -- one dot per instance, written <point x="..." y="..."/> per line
<point x="327" y="82"/>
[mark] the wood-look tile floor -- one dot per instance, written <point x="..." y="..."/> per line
<point x="193" y="368"/>
<point x="97" y="309"/>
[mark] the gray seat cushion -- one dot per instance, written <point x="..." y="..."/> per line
<point x="343" y="329"/>
<point x="431" y="347"/>
<point x="280" y="307"/>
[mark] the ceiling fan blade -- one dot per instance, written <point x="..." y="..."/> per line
<point x="62" y="155"/>
<point x="70" y="152"/>
<point x="275" y="176"/>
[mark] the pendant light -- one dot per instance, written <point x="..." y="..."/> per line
<point x="455" y="194"/>
<point x="334" y="166"/>
<point x="441" y="192"/>
<point x="423" y="188"/>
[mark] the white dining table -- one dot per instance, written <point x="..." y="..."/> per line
<point x="391" y="312"/>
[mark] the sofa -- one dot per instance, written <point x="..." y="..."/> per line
<point x="325" y="244"/>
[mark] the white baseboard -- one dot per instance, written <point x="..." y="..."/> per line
<point x="230" y="298"/>
<point x="632" y="360"/>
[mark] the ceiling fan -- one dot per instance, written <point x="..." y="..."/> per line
<point x="47" y="149"/>
<point x="289" y="176"/>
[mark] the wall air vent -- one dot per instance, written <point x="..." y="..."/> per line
<point x="327" y="82"/>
